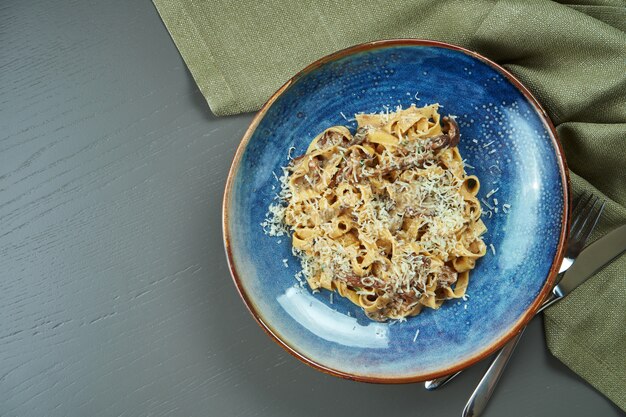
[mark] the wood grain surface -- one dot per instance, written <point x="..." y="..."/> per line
<point x="115" y="297"/>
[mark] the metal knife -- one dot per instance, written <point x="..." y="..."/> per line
<point x="591" y="260"/>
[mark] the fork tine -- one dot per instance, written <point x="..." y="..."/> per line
<point x="582" y="202"/>
<point x="583" y="218"/>
<point x="577" y="202"/>
<point x="591" y="224"/>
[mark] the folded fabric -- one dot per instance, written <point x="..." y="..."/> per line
<point x="571" y="56"/>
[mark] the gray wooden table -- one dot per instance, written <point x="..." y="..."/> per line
<point x="115" y="297"/>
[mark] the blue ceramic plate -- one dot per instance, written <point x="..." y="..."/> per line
<point x="506" y="138"/>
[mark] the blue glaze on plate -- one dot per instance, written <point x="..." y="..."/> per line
<point x="503" y="136"/>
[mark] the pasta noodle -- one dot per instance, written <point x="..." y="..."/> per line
<point x="386" y="217"/>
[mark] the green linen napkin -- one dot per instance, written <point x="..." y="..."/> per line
<point x="572" y="57"/>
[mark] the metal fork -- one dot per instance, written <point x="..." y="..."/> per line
<point x="584" y="218"/>
<point x="582" y="226"/>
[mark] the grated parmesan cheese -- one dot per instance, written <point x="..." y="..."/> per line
<point x="486" y="204"/>
<point x="434" y="191"/>
<point x="495" y="169"/>
<point x="492" y="192"/>
<point x="417" y="332"/>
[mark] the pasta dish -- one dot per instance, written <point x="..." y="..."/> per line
<point x="386" y="217"/>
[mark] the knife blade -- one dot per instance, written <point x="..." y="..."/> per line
<point x="593" y="258"/>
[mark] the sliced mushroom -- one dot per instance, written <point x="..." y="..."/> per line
<point x="333" y="136"/>
<point x="450" y="137"/>
<point x="447" y="277"/>
<point x="451" y="128"/>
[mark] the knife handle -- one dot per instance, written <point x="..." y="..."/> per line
<point x="481" y="395"/>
